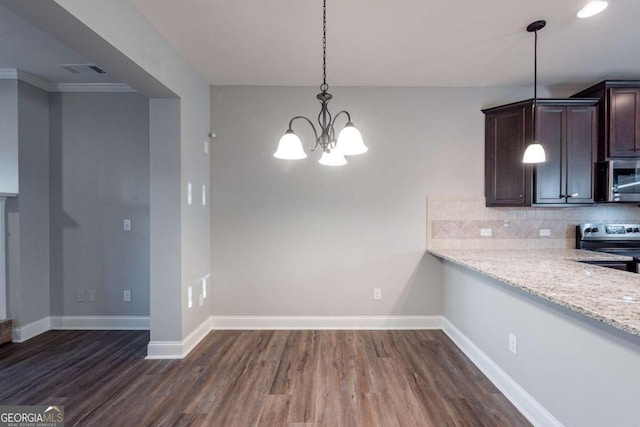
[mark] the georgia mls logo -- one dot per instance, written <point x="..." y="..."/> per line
<point x="53" y="408"/>
<point x="31" y="416"/>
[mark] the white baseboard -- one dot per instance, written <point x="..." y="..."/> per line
<point x="325" y="322"/>
<point x="100" y="322"/>
<point x="526" y="404"/>
<point x="179" y="349"/>
<point x="30" y="330"/>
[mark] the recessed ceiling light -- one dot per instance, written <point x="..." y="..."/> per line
<point x="593" y="8"/>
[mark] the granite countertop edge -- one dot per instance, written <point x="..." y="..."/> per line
<point x="458" y="257"/>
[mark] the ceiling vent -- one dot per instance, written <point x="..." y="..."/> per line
<point x="83" y="69"/>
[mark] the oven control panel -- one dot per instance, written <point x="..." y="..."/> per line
<point x="592" y="231"/>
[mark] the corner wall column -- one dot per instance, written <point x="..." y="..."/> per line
<point x="3" y="260"/>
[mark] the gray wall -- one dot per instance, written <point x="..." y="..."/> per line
<point x="124" y="28"/>
<point x="298" y="238"/>
<point x="584" y="373"/>
<point x="117" y="35"/>
<point x="166" y="242"/>
<point x="99" y="176"/>
<point x="9" y="136"/>
<point x="28" y="214"/>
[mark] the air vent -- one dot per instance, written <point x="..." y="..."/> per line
<point x="83" y="68"/>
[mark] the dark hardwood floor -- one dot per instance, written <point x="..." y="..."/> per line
<point x="248" y="378"/>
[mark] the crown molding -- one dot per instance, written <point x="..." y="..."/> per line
<point x="14" y="74"/>
<point x="8" y="74"/>
<point x="91" y="87"/>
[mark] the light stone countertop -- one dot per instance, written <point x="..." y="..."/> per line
<point x="607" y="295"/>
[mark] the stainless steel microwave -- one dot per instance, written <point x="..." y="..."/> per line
<point x="618" y="181"/>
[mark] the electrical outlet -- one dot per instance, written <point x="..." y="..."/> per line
<point x="377" y="293"/>
<point x="91" y="295"/>
<point x="513" y="343"/>
<point x="545" y="232"/>
<point x="80" y="295"/>
<point x="126" y="224"/>
<point x="485" y="232"/>
<point x="126" y="295"/>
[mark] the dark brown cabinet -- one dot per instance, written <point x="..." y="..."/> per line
<point x="568" y="131"/>
<point x="507" y="131"/>
<point x="619" y="117"/>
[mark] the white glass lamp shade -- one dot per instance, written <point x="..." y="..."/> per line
<point x="593" y="8"/>
<point x="290" y="147"/>
<point x="350" y="141"/>
<point x="333" y="158"/>
<point x="534" y="154"/>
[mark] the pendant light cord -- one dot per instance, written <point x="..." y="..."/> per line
<point x="324" y="87"/>
<point x="535" y="79"/>
<point x="535" y="68"/>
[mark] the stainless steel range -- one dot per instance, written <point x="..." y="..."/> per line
<point x="617" y="239"/>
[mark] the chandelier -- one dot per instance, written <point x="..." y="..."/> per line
<point x="349" y="141"/>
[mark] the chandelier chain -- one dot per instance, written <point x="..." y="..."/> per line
<point x="324" y="86"/>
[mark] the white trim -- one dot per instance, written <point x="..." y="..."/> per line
<point x="325" y="322"/>
<point x="100" y="322"/>
<point x="30" y="330"/>
<point x="8" y="74"/>
<point x="165" y="350"/>
<point x="14" y="74"/>
<point x="518" y="396"/>
<point x="90" y="87"/>
<point x="33" y="80"/>
<point x="179" y="349"/>
<point x="197" y="335"/>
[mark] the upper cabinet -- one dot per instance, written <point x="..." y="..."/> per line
<point x="619" y="117"/>
<point x="567" y="128"/>
<point x="507" y="132"/>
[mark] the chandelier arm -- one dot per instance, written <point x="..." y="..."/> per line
<point x="315" y="132"/>
<point x="338" y="115"/>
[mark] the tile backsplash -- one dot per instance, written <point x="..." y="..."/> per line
<point x="456" y="223"/>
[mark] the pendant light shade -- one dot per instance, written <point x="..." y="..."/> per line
<point x="290" y="147"/>
<point x="350" y="141"/>
<point x="535" y="151"/>
<point x="534" y="154"/>
<point x="593" y="8"/>
<point x="332" y="158"/>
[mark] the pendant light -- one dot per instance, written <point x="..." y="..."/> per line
<point x="535" y="151"/>
<point x="592" y="9"/>
<point x="349" y="141"/>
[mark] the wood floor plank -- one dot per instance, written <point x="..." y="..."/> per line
<point x="256" y="378"/>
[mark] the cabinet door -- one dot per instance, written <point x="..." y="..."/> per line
<point x="624" y="122"/>
<point x="581" y="142"/>
<point x="507" y="179"/>
<point x="549" y="176"/>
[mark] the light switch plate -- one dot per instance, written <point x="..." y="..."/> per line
<point x="126" y="224"/>
<point x="485" y="232"/>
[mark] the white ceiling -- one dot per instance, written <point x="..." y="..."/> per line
<point x="400" y="42"/>
<point x="25" y="47"/>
